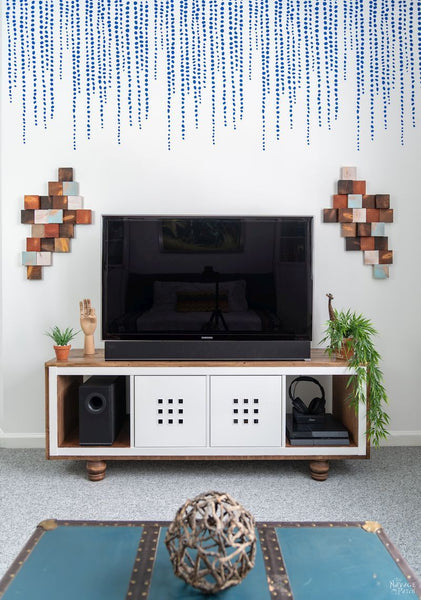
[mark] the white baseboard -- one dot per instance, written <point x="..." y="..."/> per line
<point x="22" y="440"/>
<point x="403" y="438"/>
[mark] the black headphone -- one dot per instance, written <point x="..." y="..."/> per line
<point x="316" y="406"/>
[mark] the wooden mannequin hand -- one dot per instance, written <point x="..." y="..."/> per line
<point x="87" y="317"/>
<point x="88" y="325"/>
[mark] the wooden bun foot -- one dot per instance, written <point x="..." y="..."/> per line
<point x="319" y="469"/>
<point x="96" y="469"/>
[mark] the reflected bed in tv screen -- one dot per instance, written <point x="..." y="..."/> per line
<point x="207" y="288"/>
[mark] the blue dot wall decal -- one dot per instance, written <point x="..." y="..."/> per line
<point x="208" y="55"/>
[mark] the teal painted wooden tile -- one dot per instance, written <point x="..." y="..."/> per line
<point x="29" y="258"/>
<point x="70" y="188"/>
<point x="380" y="271"/>
<point x="46" y="216"/>
<point x="355" y="200"/>
<point x="377" y="229"/>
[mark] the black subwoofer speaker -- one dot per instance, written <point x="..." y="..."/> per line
<point x="102" y="407"/>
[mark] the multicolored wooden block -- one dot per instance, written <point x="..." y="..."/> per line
<point x="340" y="201"/>
<point x="65" y="174"/>
<point x="74" y="202"/>
<point x="369" y="201"/>
<point x="362" y="218"/>
<point x="348" y="230"/>
<point x="330" y="215"/>
<point x="348" y="172"/>
<point x="382" y="200"/>
<point x="36" y="258"/>
<point x="380" y="271"/>
<point x="353" y="243"/>
<point x="84" y="216"/>
<point x="61" y="245"/>
<point x="50" y="215"/>
<point x="355" y="201"/>
<point x="377" y="229"/>
<point x="70" y="188"/>
<point x="33" y="272"/>
<point x="46" y="202"/>
<point x="52" y="219"/>
<point x="31" y="202"/>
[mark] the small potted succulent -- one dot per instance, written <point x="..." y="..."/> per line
<point x="61" y="339"/>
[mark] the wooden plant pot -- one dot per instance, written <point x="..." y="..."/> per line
<point x="347" y="349"/>
<point x="62" y="352"/>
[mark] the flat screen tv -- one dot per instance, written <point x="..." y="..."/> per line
<point x="207" y="288"/>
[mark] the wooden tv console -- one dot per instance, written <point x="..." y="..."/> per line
<point x="195" y="410"/>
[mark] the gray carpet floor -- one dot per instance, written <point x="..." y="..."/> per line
<point x="386" y="488"/>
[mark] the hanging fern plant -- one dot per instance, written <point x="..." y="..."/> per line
<point x="351" y="334"/>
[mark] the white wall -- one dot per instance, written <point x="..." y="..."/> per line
<point x="233" y="177"/>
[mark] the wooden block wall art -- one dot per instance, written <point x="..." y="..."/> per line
<point x="53" y="219"/>
<point x="362" y="219"/>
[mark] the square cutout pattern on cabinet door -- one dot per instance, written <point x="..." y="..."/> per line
<point x="245" y="411"/>
<point x="170" y="411"/>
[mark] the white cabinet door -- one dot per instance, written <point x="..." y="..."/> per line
<point x="246" y="410"/>
<point x="170" y="410"/>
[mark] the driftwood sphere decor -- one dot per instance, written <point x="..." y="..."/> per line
<point x="212" y="542"/>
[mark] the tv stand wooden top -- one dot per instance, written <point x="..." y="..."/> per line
<point x="319" y="358"/>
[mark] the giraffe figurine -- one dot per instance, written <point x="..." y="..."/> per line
<point x="332" y="315"/>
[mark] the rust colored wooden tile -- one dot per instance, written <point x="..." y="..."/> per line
<point x="340" y="201"/>
<point x="358" y="187"/>
<point x="46" y="202"/>
<point x="352" y="243"/>
<point x="69" y="216"/>
<point x="65" y="174"/>
<point x="27" y="216"/>
<point x="373" y="215"/>
<point x="59" y="201"/>
<point x="382" y="200"/>
<point x="385" y="257"/>
<point x="386" y="215"/>
<point x="33" y="244"/>
<point x="381" y="243"/>
<point x="34" y="272"/>
<point x="66" y="230"/>
<point x="55" y="188"/>
<point x="345" y="186"/>
<point x="368" y="243"/>
<point x="84" y="216"/>
<point x="345" y="215"/>
<point x="47" y="244"/>
<point x="348" y="230"/>
<point x="38" y="231"/>
<point x="61" y="245"/>
<point x="369" y="201"/>
<point x="364" y="229"/>
<point x="31" y="202"/>
<point x="51" y="230"/>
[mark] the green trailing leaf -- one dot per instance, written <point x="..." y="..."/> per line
<point x="368" y="379"/>
<point x="61" y="337"/>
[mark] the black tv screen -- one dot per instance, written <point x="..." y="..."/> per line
<point x="194" y="286"/>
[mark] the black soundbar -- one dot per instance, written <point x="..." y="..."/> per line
<point x="207" y="350"/>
